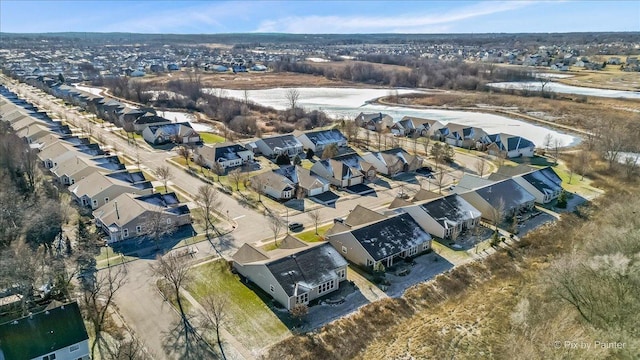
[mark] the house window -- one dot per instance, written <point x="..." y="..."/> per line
<point x="369" y="262"/>
<point x="125" y="233"/>
<point x="329" y="285"/>
<point x="94" y="202"/>
<point x="344" y="249"/>
<point x="168" y="221"/>
<point x="272" y="288"/>
<point x="412" y="251"/>
<point x="342" y="273"/>
<point x="302" y="299"/>
<point x="138" y="229"/>
<point x="49" y="357"/>
<point x="73" y="348"/>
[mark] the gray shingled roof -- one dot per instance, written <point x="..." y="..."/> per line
<point x="390" y="236"/>
<point x="307" y="268"/>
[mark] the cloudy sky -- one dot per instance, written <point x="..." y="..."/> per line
<point x="206" y="17"/>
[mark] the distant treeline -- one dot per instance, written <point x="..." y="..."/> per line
<point x="485" y="40"/>
<point x="429" y="73"/>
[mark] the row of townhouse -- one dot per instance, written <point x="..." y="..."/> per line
<point x="156" y="130"/>
<point x="342" y="171"/>
<point x="458" y="135"/>
<point x="123" y="201"/>
<point x="299" y="272"/>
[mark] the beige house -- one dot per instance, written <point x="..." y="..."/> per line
<point x="445" y="217"/>
<point x="129" y="215"/>
<point x="393" y="161"/>
<point x="74" y="169"/>
<point x="499" y="200"/>
<point x="337" y="172"/>
<point x="97" y="189"/>
<point x="296" y="273"/>
<point x="379" y="244"/>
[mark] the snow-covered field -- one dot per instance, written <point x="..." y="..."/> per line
<point x="92" y="90"/>
<point x="552" y="76"/>
<point x="566" y="89"/>
<point x="349" y="102"/>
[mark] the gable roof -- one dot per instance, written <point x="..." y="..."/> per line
<point x="323" y="137"/>
<point x="43" y="332"/>
<point x="470" y="182"/>
<point x="281" y="142"/>
<point x="543" y="182"/>
<point x="97" y="182"/>
<point x="390" y="236"/>
<point x="507" y="194"/>
<point x="450" y="210"/>
<point x="361" y="215"/>
<point x="126" y="207"/>
<point x="507" y="142"/>
<point x="303" y="270"/>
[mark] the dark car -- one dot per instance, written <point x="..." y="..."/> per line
<point x="295" y="226"/>
<point x="425" y="171"/>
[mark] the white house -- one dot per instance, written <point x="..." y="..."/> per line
<point x="228" y="155"/>
<point x="296" y="273"/>
<point x="277" y="145"/>
<point x="320" y="139"/>
<point x="445" y="217"/>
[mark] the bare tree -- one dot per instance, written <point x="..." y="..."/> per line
<point x="350" y="129"/>
<point x="557" y="144"/>
<point x="630" y="166"/>
<point x="130" y="349"/>
<point x="440" y="177"/>
<point x="257" y="184"/>
<point x="98" y="298"/>
<point x="185" y="152"/>
<point x="427" y="142"/>
<point x="214" y="316"/>
<point x="548" y="141"/>
<point x="276" y="224"/>
<point x="438" y="153"/>
<point x="292" y="95"/>
<point x="208" y="198"/>
<point x="218" y="169"/>
<point x="163" y="173"/>
<point x="156" y="224"/>
<point x="175" y="271"/>
<point x="612" y="141"/>
<point x="236" y="177"/>
<point x="314" y="215"/>
<point x="481" y="166"/>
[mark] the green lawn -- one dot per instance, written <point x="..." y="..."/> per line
<point x="310" y="235"/>
<point x="249" y="319"/>
<point x="209" y="138"/>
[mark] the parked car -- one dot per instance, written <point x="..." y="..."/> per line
<point x="295" y="226"/>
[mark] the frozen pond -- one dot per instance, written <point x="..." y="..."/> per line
<point x="349" y="102"/>
<point x="179" y="116"/>
<point x="566" y="89"/>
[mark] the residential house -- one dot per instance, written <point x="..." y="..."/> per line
<point x="228" y="155"/>
<point x="111" y="110"/>
<point x="295" y="273"/>
<point x="277" y="145"/>
<point x="71" y="170"/>
<point x="356" y="161"/>
<point x="374" y="121"/>
<point x="379" y="244"/>
<point x="445" y="217"/>
<point x="393" y="161"/>
<point x="511" y="146"/>
<point x="338" y="173"/>
<point x="178" y="133"/>
<point x="130" y="215"/>
<point x="320" y="139"/>
<point x="408" y="126"/>
<point x="275" y="185"/>
<point x="463" y="135"/>
<point x="306" y="183"/>
<point x="543" y="183"/>
<point x="146" y="120"/>
<point x="97" y="189"/>
<point x="63" y="150"/>
<point x="499" y="200"/>
<point x="57" y="332"/>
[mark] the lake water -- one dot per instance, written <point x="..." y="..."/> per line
<point x="566" y="89"/>
<point x="349" y="102"/>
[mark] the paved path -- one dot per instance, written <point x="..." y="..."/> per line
<point x="369" y="290"/>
